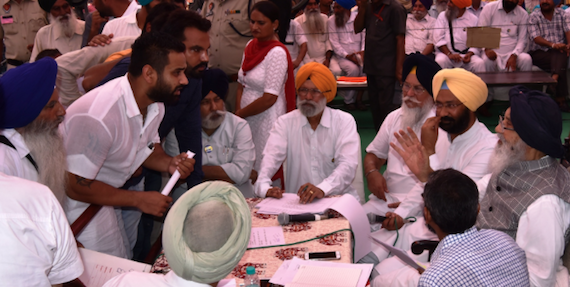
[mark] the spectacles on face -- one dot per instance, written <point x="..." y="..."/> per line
<point x="314" y="92"/>
<point x="449" y="106"/>
<point x="501" y="119"/>
<point x="418" y="90"/>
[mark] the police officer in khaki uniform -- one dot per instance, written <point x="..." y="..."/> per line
<point x="228" y="36"/>
<point x="20" y="21"/>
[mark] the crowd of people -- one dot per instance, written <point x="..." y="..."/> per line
<point x="233" y="98"/>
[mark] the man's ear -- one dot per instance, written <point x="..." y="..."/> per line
<point x="149" y="74"/>
<point x="427" y="216"/>
<point x="478" y="208"/>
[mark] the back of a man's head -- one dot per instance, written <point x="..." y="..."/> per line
<point x="178" y="21"/>
<point x="452" y="199"/>
<point x="153" y="49"/>
<point x="157" y="14"/>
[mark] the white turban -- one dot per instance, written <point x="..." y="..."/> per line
<point x="188" y="251"/>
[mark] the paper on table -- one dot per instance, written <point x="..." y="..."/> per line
<point x="289" y="204"/>
<point x="175" y="177"/>
<point x="227" y="283"/>
<point x="288" y="270"/>
<point x="352" y="210"/>
<point x="100" y="267"/>
<point x="400" y="254"/>
<point x="308" y="275"/>
<point x="266" y="236"/>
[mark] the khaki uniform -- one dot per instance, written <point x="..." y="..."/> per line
<point x="19" y="24"/>
<point x="226" y="45"/>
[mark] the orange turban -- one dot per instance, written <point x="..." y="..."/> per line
<point x="320" y="75"/>
<point x="461" y="3"/>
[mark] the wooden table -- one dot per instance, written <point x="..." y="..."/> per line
<point x="267" y="261"/>
<point x="517" y="78"/>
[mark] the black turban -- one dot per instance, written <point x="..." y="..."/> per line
<point x="426" y="69"/>
<point x="537" y="120"/>
<point x="46" y="4"/>
<point x="215" y="80"/>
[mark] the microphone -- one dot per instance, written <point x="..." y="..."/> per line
<point x="374" y="218"/>
<point x="285" y="218"/>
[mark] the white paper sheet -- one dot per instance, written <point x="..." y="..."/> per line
<point x="100" y="267"/>
<point x="288" y="270"/>
<point x="289" y="204"/>
<point x="227" y="283"/>
<point x="308" y="275"/>
<point x="351" y="209"/>
<point x="174" y="178"/>
<point x="400" y="254"/>
<point x="266" y="236"/>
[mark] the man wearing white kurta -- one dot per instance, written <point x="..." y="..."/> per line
<point x="455" y="53"/>
<point x="320" y="144"/>
<point x="513" y="21"/>
<point x="348" y="47"/>
<point x="419" y="29"/>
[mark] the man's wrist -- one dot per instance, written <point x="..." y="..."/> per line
<point x="371" y="171"/>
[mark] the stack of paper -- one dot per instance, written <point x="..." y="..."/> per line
<point x="100" y="267"/>
<point x="298" y="272"/>
<point x="290" y="204"/>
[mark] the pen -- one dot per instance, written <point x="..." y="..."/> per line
<point x="304" y="189"/>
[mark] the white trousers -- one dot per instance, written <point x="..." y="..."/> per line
<point x="475" y="65"/>
<point x="349" y="69"/>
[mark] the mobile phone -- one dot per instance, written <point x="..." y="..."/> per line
<point x="331" y="255"/>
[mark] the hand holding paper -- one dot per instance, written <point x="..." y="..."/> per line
<point x="175" y="177"/>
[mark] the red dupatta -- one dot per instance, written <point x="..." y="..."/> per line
<point x="256" y="51"/>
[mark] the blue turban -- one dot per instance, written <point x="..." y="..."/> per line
<point x="426" y="3"/>
<point x="426" y="69"/>
<point x="215" y="80"/>
<point x="144" y="2"/>
<point x="537" y="120"/>
<point x="346" y="4"/>
<point x="25" y="90"/>
<point x="556" y="2"/>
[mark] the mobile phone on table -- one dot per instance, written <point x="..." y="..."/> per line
<point x="329" y="255"/>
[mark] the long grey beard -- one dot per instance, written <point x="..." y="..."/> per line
<point x="47" y="149"/>
<point x="451" y="14"/>
<point x="411" y="117"/>
<point x="66" y="28"/>
<point x="315" y="23"/>
<point x="506" y="155"/>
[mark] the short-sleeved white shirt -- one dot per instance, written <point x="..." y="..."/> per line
<point x="123" y="27"/>
<point x="295" y="38"/>
<point x="38" y="248"/>
<point x="14" y="161"/>
<point x="106" y="140"/>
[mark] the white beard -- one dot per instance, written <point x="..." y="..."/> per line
<point x="310" y="108"/>
<point x="66" y="28"/>
<point x="47" y="149"/>
<point x="506" y="154"/>
<point x="315" y="23"/>
<point x="412" y="117"/>
<point x="209" y="123"/>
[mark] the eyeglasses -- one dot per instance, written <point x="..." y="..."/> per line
<point x="501" y="119"/>
<point x="304" y="91"/>
<point x="450" y="106"/>
<point x="417" y="89"/>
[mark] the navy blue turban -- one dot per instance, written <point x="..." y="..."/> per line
<point x="346" y="4"/>
<point x="426" y="3"/>
<point x="537" y="120"/>
<point x="25" y="91"/>
<point x="426" y="69"/>
<point x="215" y="80"/>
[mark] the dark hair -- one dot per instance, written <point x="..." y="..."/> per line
<point x="271" y="11"/>
<point x="153" y="49"/>
<point x="179" y="20"/>
<point x="452" y="198"/>
<point x="160" y="10"/>
<point x="52" y="53"/>
<point x="284" y="8"/>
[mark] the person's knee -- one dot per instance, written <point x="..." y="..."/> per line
<point x="524" y="62"/>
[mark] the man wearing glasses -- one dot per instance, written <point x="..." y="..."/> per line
<point x="320" y="144"/>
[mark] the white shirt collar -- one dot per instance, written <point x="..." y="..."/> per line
<point x="18" y="141"/>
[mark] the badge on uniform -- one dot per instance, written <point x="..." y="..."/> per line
<point x="210" y="9"/>
<point x="208" y="149"/>
<point x="7" y="7"/>
<point x="7" y="20"/>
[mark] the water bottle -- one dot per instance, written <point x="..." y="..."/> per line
<point x="251" y="279"/>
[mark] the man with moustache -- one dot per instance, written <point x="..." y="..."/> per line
<point x="31" y="145"/>
<point x="319" y="48"/>
<point x="348" y="49"/>
<point x="112" y="130"/>
<point x="452" y="50"/>
<point x="476" y="7"/>
<point x="64" y="32"/>
<point x="466" y="146"/>
<point x="419" y="29"/>
<point x="440" y="6"/>
<point x="549" y="32"/>
<point x="320" y="144"/>
<point x="417" y="106"/>
<point x="228" y="152"/>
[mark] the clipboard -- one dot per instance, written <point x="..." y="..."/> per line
<point x="483" y="37"/>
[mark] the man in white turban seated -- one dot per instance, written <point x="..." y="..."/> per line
<point x="205" y="235"/>
<point x="319" y="143"/>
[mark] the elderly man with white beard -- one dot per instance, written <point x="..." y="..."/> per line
<point x="419" y="29"/>
<point x="319" y="48"/>
<point x="319" y="143"/>
<point x="228" y="151"/>
<point x="417" y="106"/>
<point x="31" y="145"/>
<point x="438" y="7"/>
<point x="64" y="32"/>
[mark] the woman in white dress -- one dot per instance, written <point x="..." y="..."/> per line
<point x="266" y="87"/>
